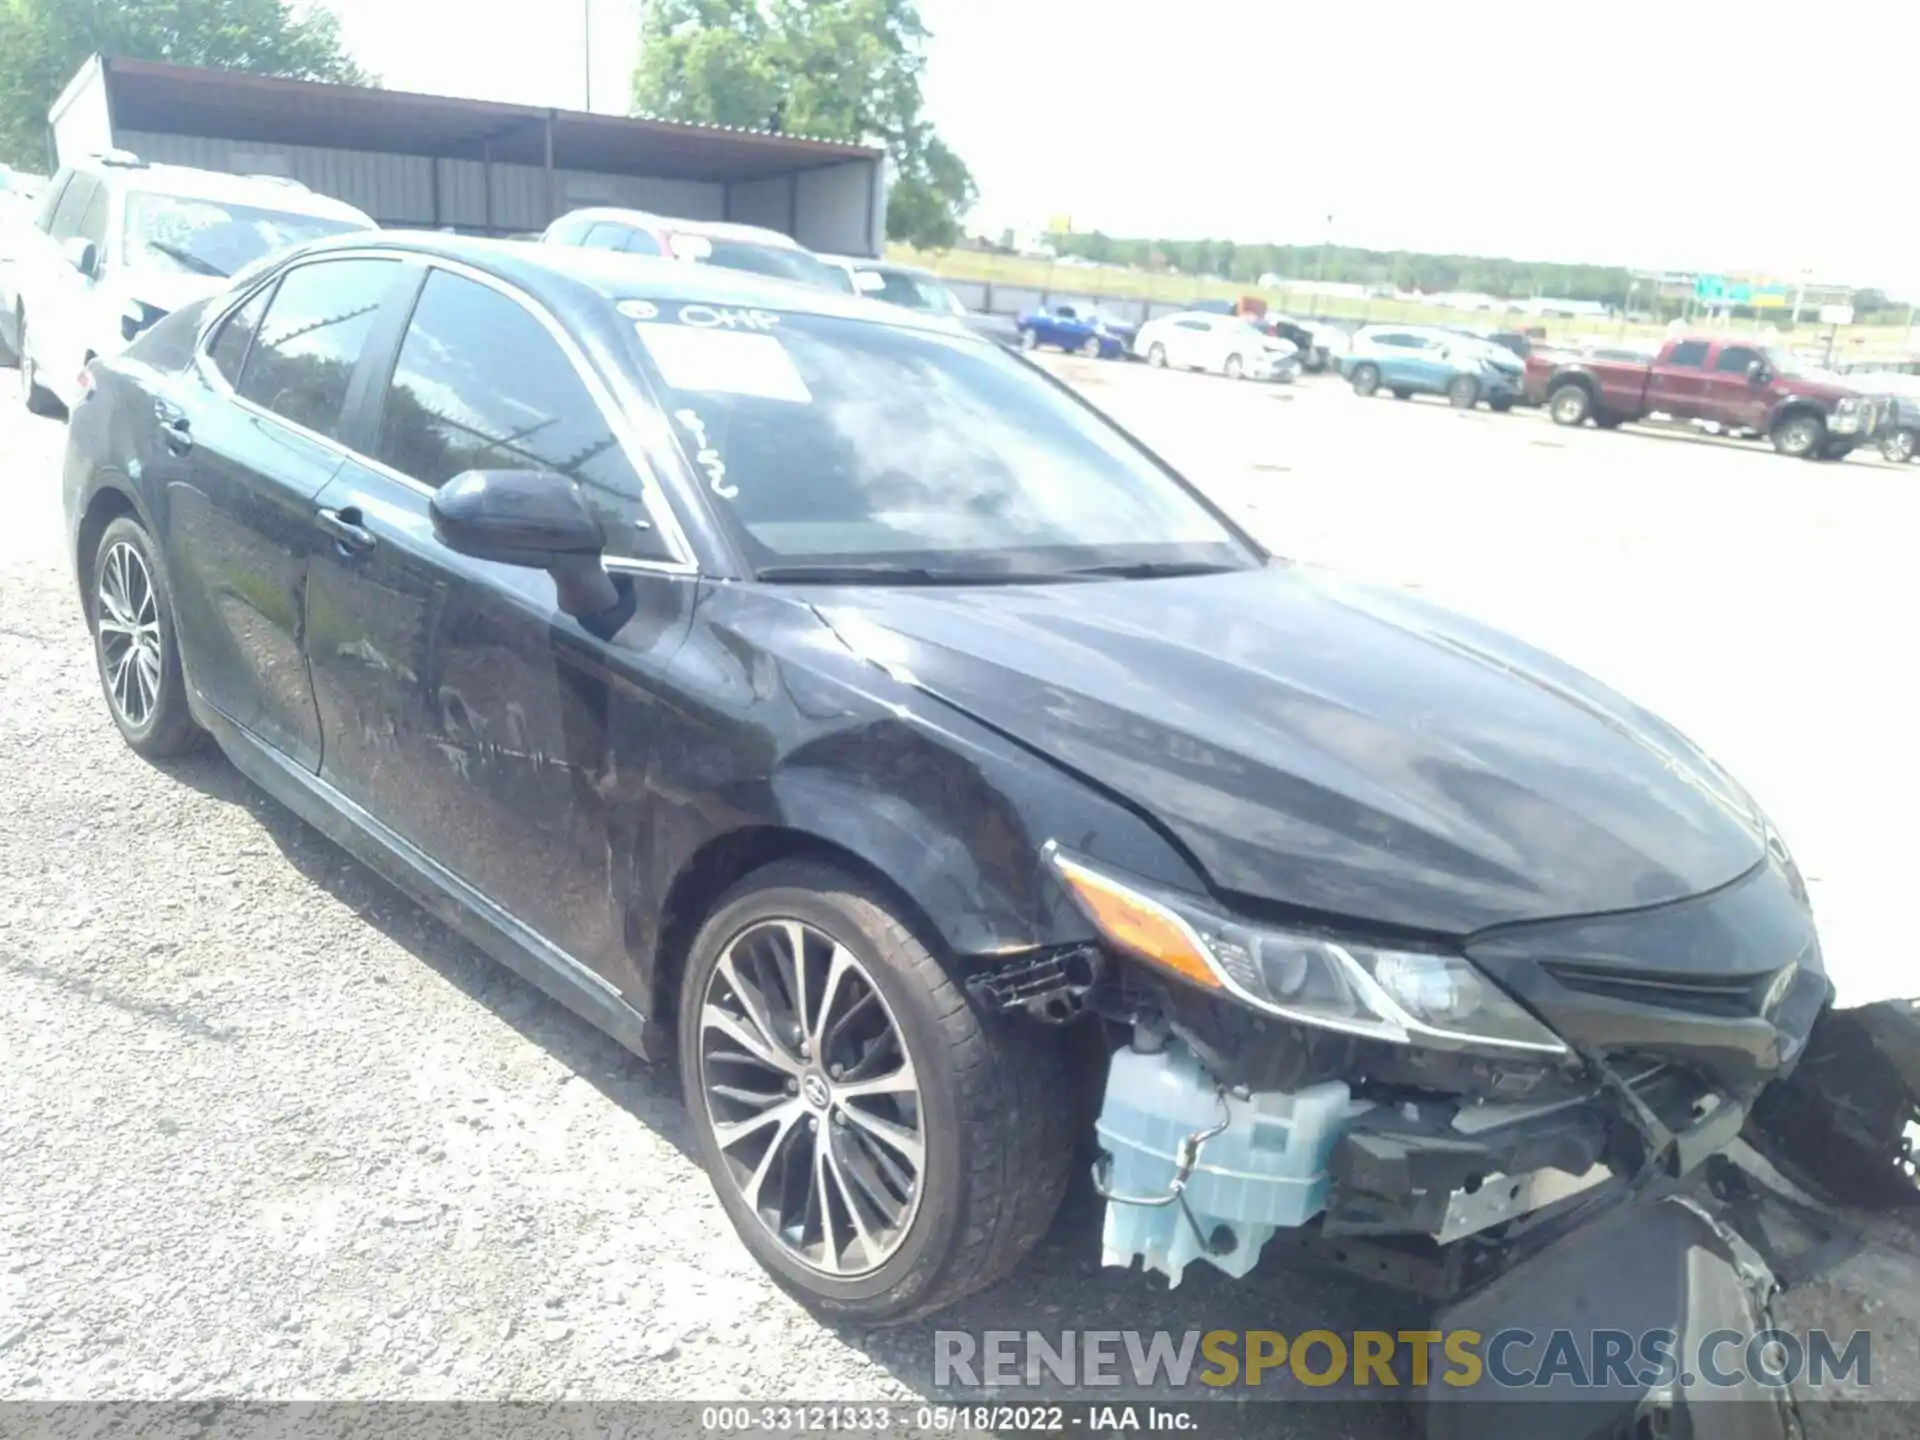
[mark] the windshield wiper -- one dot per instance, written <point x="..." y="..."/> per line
<point x="189" y="259"/>
<point x="885" y="573"/>
<point x="1155" y="569"/>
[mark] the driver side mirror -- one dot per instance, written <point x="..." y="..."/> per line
<point x="82" y="254"/>
<point x="532" y="518"/>
<point x="1758" y="373"/>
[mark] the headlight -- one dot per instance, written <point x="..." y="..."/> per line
<point x="1400" y="996"/>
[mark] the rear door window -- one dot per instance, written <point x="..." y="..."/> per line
<point x="1737" y="359"/>
<point x="1688" y="354"/>
<point x="310" y="340"/>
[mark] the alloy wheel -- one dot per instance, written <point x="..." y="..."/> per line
<point x="812" y="1096"/>
<point x="1898" y="447"/>
<point x="127" y="623"/>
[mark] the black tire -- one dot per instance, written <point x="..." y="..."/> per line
<point x="1365" y="380"/>
<point x="1463" y="392"/>
<point x="1403" y="394"/>
<point x="1799" y="437"/>
<point x="995" y="1096"/>
<point x="1029" y="338"/>
<point x="1901" y="446"/>
<point x="1608" y="422"/>
<point x="1091" y="347"/>
<point x="1233" y="367"/>
<point x="1571" y="404"/>
<point x="1501" y="406"/>
<point x="1836" y="450"/>
<point x="38" y="399"/>
<point x="1157" y="355"/>
<point x="166" y="726"/>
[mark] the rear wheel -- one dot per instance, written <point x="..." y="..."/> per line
<point x="1029" y="339"/>
<point x="881" y="1147"/>
<point x="1463" y="392"/>
<point x="1901" y="446"/>
<point x="1157" y="355"/>
<point x="131" y="613"/>
<point x="1234" y="368"/>
<point x="1090" y="347"/>
<point x="1365" y="379"/>
<point x="1801" y="437"/>
<point x="1570" y="404"/>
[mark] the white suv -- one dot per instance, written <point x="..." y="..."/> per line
<point x="118" y="243"/>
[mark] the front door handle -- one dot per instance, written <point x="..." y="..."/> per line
<point x="348" y="533"/>
<point x="178" y="434"/>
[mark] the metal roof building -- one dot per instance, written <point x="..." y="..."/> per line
<point x="478" y="166"/>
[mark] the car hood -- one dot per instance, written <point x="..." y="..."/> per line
<point x="1315" y="743"/>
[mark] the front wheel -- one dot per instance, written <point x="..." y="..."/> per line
<point x="1090" y="347"/>
<point x="1570" y="405"/>
<point x="1900" y="446"/>
<point x="1463" y="392"/>
<point x="1029" y="339"/>
<point x="134" y="649"/>
<point x="1801" y="437"/>
<point x="1157" y="355"/>
<point x="881" y="1147"/>
<point x="1234" y="368"/>
<point x="1365" y="380"/>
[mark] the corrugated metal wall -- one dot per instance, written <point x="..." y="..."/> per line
<point x="835" y="209"/>
<point x="398" y="190"/>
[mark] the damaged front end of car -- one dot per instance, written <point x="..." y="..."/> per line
<point x="1429" y="1113"/>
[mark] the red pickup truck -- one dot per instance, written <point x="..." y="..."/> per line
<point x="1735" y="384"/>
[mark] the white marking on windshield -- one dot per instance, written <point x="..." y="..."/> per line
<point x="708" y="457"/>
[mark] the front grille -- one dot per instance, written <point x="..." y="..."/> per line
<point x="1730" y="996"/>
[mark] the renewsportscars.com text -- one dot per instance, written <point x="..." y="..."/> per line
<point x="1508" y="1359"/>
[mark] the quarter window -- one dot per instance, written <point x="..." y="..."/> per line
<point x="310" y="340"/>
<point x="73" y="206"/>
<point x="229" y="349"/>
<point x="1688" y="354"/>
<point x="481" y="384"/>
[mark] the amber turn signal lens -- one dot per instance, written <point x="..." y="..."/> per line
<point x="1136" y="923"/>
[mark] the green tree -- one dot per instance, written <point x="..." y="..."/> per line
<point x="42" y="43"/>
<point x="840" y="69"/>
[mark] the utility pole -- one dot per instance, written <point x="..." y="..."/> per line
<point x="586" y="48"/>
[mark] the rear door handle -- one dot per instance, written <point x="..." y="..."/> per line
<point x="344" y="526"/>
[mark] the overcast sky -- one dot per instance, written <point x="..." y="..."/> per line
<point x="1691" y="133"/>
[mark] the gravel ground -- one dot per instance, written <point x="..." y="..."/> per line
<point x="270" y="1131"/>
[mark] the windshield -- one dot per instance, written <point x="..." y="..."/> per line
<point x="1782" y="363"/>
<point x="779" y="262"/>
<point x="832" y="442"/>
<point x="916" y="292"/>
<point x="211" y="237"/>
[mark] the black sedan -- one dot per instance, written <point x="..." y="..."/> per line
<point x="823" y="695"/>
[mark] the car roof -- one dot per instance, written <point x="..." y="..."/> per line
<point x="557" y="274"/>
<point x="712" y="229"/>
<point x="883" y="267"/>
<point x="268" y="192"/>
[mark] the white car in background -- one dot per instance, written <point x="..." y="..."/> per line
<point x="731" y="246"/>
<point x="117" y="243"/>
<point x="1219" y="344"/>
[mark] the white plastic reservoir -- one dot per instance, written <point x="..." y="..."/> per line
<point x="1266" y="1170"/>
